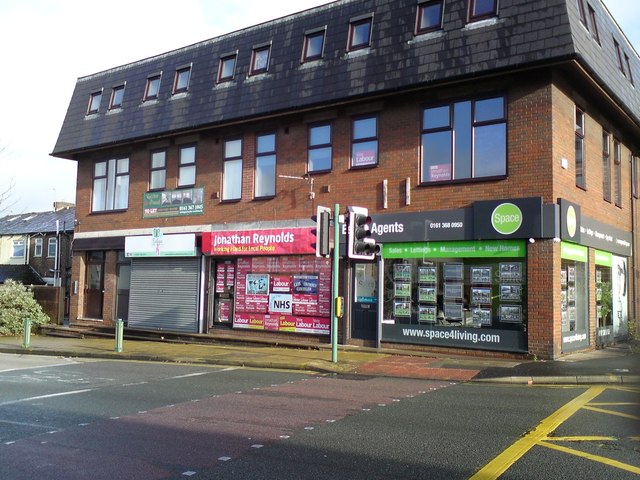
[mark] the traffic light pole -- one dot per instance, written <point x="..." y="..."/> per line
<point x="334" y="276"/>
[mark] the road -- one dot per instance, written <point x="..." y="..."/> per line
<point x="76" y="419"/>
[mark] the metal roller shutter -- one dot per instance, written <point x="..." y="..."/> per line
<point x="164" y="294"/>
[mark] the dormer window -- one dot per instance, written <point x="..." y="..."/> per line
<point x="594" y="24"/>
<point x="152" y="88"/>
<point x="260" y="59"/>
<point x="227" y="67"/>
<point x="181" y="82"/>
<point x="313" y="45"/>
<point x="94" y="102"/>
<point x="429" y="16"/>
<point x="117" y="96"/>
<point x="481" y="9"/>
<point x="360" y="33"/>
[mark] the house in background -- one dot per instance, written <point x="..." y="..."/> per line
<point x="35" y="248"/>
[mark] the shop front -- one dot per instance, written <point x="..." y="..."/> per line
<point x="165" y="287"/>
<point x="468" y="294"/>
<point x="611" y="249"/>
<point x="268" y="280"/>
<point x="458" y="278"/>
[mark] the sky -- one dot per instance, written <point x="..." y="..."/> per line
<point x="48" y="44"/>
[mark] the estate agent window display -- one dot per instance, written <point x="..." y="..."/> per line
<point x="470" y="293"/>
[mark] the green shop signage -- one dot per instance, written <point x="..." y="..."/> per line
<point x="571" y="251"/>
<point x="466" y="249"/>
<point x="604" y="259"/>
<point x="506" y="218"/>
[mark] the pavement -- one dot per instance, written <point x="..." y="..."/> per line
<point x="618" y="364"/>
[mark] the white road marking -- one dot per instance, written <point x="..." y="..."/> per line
<point x="40" y="397"/>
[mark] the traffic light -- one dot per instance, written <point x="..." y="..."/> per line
<point x="360" y="245"/>
<point x="322" y="219"/>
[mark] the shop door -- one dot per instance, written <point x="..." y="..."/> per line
<point x="221" y="292"/>
<point x="123" y="282"/>
<point x="94" y="285"/>
<point x="364" y="315"/>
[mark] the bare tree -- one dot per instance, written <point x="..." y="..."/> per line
<point x="6" y="190"/>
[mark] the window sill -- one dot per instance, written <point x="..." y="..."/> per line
<point x="105" y="212"/>
<point x="463" y="180"/>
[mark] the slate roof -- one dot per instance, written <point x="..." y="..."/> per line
<point x="525" y="34"/>
<point x="38" y="222"/>
<point x="24" y="274"/>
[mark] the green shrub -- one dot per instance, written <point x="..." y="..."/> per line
<point x="16" y="304"/>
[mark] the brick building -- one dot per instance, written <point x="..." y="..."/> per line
<point x="494" y="143"/>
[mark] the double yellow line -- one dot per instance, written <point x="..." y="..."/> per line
<point x="540" y="436"/>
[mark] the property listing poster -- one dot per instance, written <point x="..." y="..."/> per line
<point x="283" y="293"/>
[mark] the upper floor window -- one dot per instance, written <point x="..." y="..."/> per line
<point x="479" y="9"/>
<point x="117" y="96"/>
<point x="260" y="59"/>
<point x="18" y="249"/>
<point x="606" y="166"/>
<point x="320" y="155"/>
<point x="152" y="88"/>
<point x="94" y="102"/>
<point x="52" y="247"/>
<point x="579" y="144"/>
<point x="364" y="144"/>
<point x="313" y="45"/>
<point x="626" y="59"/>
<point x="464" y="140"/>
<point x="111" y="185"/>
<point x="232" y="170"/>
<point x="594" y="24"/>
<point x="616" y="45"/>
<point x="617" y="168"/>
<point x="583" y="13"/>
<point x="265" y="179"/>
<point x="181" y="82"/>
<point x="158" y="170"/>
<point x="227" y="67"/>
<point x="360" y="33"/>
<point x="37" y="249"/>
<point x="187" y="167"/>
<point x="429" y="16"/>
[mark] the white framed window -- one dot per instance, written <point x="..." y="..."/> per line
<point x="111" y="185"/>
<point x="364" y="142"/>
<point x="18" y="249"/>
<point x="265" y="179"/>
<point x="187" y="169"/>
<point x="232" y="170"/>
<point x="158" y="170"/>
<point x="37" y="248"/>
<point x="320" y="153"/>
<point x="52" y="247"/>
